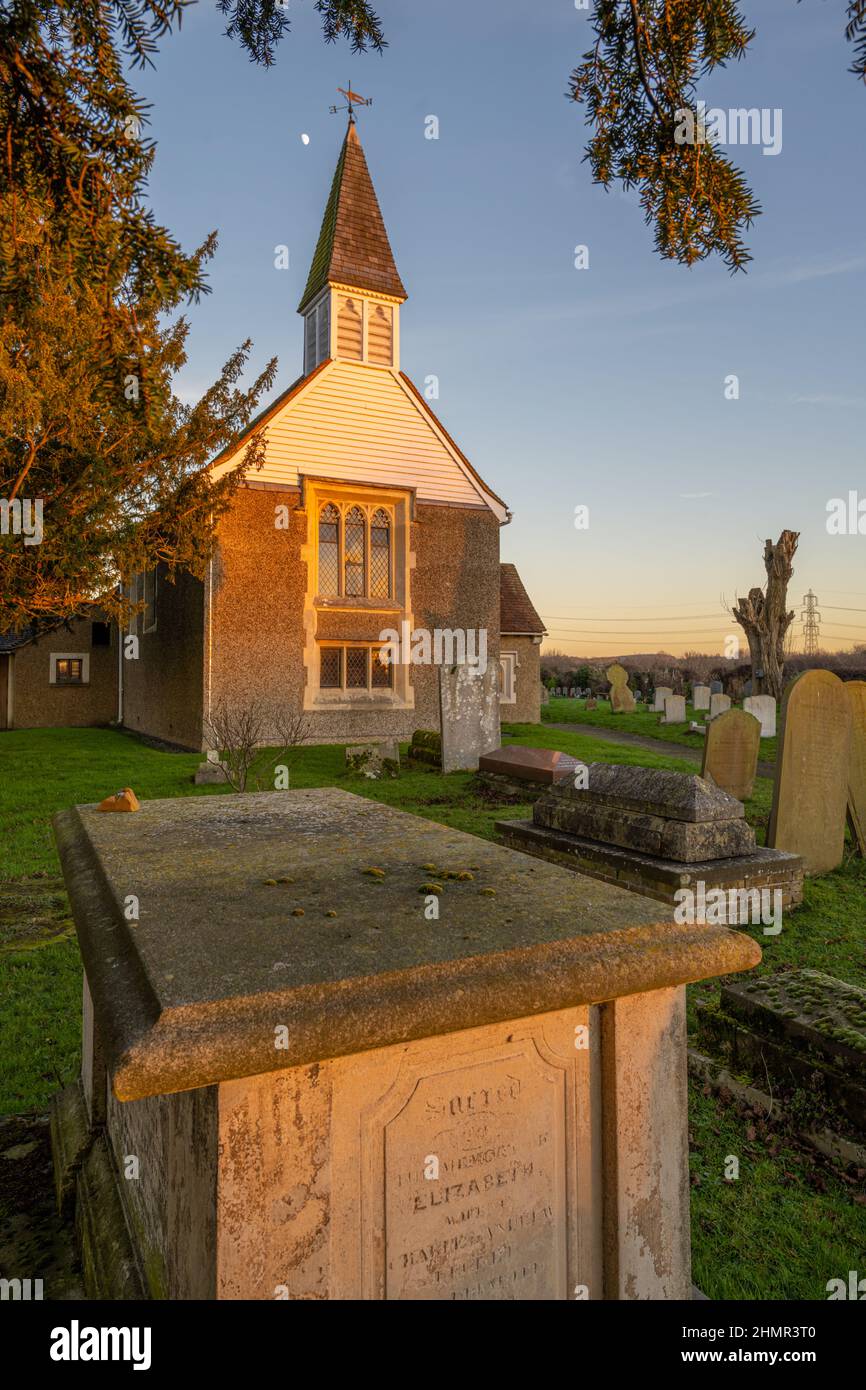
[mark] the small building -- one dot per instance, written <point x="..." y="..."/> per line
<point x="521" y="632"/>
<point x="65" y="678"/>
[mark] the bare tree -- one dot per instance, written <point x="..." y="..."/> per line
<point x="764" y="618"/>
<point x="253" y="737"/>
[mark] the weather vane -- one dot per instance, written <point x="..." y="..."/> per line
<point x="353" y="99"/>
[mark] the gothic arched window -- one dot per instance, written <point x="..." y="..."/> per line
<point x="329" y="550"/>
<point x="380" y="554"/>
<point x="354" y="548"/>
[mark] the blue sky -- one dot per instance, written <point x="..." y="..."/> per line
<point x="601" y="387"/>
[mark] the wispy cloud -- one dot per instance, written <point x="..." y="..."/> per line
<point x="829" y="399"/>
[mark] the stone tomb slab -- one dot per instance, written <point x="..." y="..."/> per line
<point x="810" y="794"/>
<point x="538" y="765"/>
<point x="733" y="742"/>
<point x="249" y="1053"/>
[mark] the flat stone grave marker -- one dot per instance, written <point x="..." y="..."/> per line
<point x="763" y="707"/>
<point x="700" y="697"/>
<point x="592" y="703"/>
<point x="374" y="760"/>
<point x="810" y="794"/>
<point x="621" y="698"/>
<point x="733" y="742"/>
<point x="540" y="765"/>
<point x="289" y="1073"/>
<point x="675" y="710"/>
<point x="469" y="711"/>
<point x="661" y="694"/>
<point x="856" y="693"/>
<point x="719" y="703"/>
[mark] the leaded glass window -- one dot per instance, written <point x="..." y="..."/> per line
<point x="380" y="554"/>
<point x="331" y="668"/>
<point x="381" y="678"/>
<point x="329" y="550"/>
<point x="356" y="668"/>
<point x="354" y="544"/>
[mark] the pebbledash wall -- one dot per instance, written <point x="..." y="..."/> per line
<point x="39" y="701"/>
<point x="526" y="706"/>
<point x="265" y="624"/>
<point x="163" y="688"/>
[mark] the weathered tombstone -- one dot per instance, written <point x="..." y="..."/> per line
<point x="810" y="795"/>
<point x="763" y="707"/>
<point x="545" y="695"/>
<point x="856" y="694"/>
<point x="374" y="760"/>
<point x="719" y="703"/>
<point x="469" y="712"/>
<point x="748" y="688"/>
<point x="716" y="687"/>
<point x="592" y="703"/>
<point x="731" y="752"/>
<point x="675" y="710"/>
<point x="661" y="694"/>
<point x="621" y="698"/>
<point x="317" y="1103"/>
<point x="212" y="771"/>
<point x="701" y="697"/>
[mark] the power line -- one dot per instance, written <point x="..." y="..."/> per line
<point x="811" y="618"/>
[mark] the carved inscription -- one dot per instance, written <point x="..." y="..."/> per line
<point x="475" y="1184"/>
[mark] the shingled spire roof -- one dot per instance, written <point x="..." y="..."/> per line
<point x="353" y="247"/>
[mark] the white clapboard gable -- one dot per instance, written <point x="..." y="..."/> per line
<point x="366" y="425"/>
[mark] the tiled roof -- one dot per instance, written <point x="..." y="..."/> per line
<point x="353" y="247"/>
<point x="11" y="640"/>
<point x="516" y="613"/>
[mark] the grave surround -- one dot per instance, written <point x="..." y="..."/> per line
<point x="403" y="1038"/>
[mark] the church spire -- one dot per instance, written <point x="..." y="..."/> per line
<point x="353" y="248"/>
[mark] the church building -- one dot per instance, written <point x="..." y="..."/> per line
<point x="365" y="519"/>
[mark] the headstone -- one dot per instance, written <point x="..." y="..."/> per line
<point x="701" y="697"/>
<point x="675" y="710"/>
<point x="469" y="712"/>
<point x="719" y="703"/>
<point x="763" y="707"/>
<point x="544" y="765"/>
<point x="748" y="688"/>
<point x="716" y="687"/>
<point x="638" y="697"/>
<point x="731" y="752"/>
<point x="592" y="703"/>
<point x="377" y="1107"/>
<point x="810" y="795"/>
<point x="661" y="694"/>
<point x="374" y="760"/>
<point x="621" y="698"/>
<point x="856" y="693"/>
<point x="545" y="695"/>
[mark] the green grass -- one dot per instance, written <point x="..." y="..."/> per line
<point x="781" y="1231"/>
<point x="560" y="710"/>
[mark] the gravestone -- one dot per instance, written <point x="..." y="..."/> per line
<point x="763" y="707"/>
<point x="810" y="794"/>
<point x="719" y="703"/>
<point x="748" y="688"/>
<point x="592" y="703"/>
<point x="675" y="710"/>
<point x="700" y="697"/>
<point x="212" y="771"/>
<point x="716" y="687"/>
<point x="621" y="698"/>
<point x="334" y="1098"/>
<point x="731" y="752"/>
<point x="469" y="715"/>
<point x="661" y="694"/>
<point x="856" y="693"/>
<point x="545" y="695"/>
<point x="374" y="760"/>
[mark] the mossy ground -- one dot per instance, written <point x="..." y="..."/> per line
<point x="789" y="1223"/>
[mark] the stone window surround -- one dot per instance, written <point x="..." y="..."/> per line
<point x="83" y="657"/>
<point x="510" y="684"/>
<point x="400" y="502"/>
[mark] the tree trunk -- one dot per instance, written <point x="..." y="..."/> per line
<point x="765" y="619"/>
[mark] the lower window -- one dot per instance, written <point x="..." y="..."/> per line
<point x="354" y="668"/>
